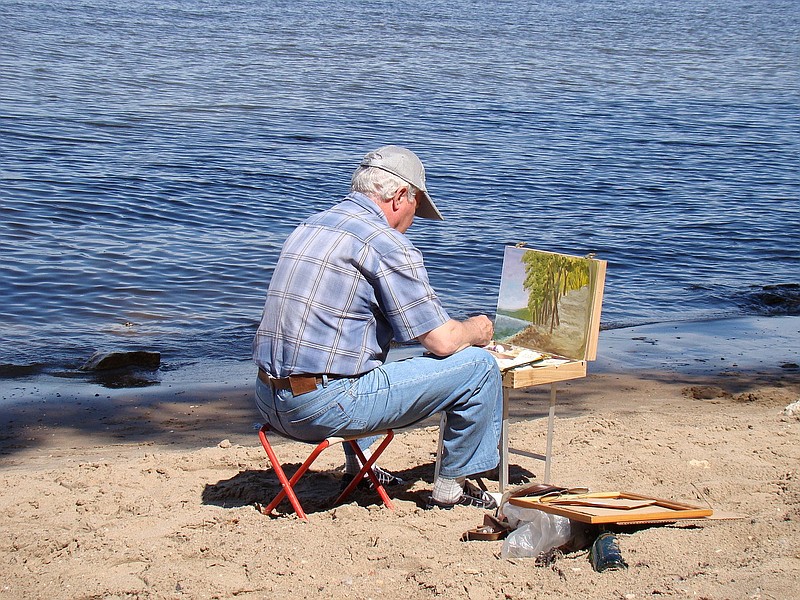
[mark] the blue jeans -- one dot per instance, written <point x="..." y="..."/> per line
<point x="467" y="386"/>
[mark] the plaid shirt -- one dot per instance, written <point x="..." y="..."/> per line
<point x="345" y="284"/>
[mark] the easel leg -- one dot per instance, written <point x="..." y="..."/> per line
<point x="550" y="420"/>
<point x="503" y="468"/>
<point x="440" y="445"/>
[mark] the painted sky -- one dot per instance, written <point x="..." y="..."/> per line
<point x="512" y="295"/>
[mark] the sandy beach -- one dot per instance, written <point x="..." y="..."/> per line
<point x="150" y="492"/>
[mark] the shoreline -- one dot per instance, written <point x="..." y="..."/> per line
<point x="205" y="403"/>
<point x="749" y="343"/>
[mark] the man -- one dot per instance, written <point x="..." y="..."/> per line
<point x="347" y="282"/>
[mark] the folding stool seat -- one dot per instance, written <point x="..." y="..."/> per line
<point x="287" y="485"/>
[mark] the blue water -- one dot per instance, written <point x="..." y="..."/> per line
<point x="154" y="156"/>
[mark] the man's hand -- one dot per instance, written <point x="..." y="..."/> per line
<point x="484" y="329"/>
<point x="455" y="335"/>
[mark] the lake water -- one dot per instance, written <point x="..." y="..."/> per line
<point x="153" y="156"/>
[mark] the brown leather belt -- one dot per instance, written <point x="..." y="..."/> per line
<point x="298" y="384"/>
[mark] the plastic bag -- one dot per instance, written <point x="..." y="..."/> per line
<point x="517" y="515"/>
<point x="536" y="532"/>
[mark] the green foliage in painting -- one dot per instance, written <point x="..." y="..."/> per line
<point x="548" y="277"/>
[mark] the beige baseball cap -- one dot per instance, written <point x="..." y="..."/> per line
<point x="403" y="163"/>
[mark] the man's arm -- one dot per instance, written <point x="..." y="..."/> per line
<point x="454" y="335"/>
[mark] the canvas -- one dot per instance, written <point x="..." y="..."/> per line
<point x="549" y="303"/>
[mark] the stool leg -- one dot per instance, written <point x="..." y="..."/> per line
<point x="287" y="485"/>
<point x="367" y="470"/>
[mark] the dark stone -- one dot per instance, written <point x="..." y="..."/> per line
<point x="103" y="361"/>
<point x="772" y="300"/>
<point x="11" y="371"/>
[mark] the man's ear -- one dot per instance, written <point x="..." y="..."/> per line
<point x="397" y="198"/>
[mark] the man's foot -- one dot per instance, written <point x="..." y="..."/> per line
<point x="385" y="478"/>
<point x="471" y="496"/>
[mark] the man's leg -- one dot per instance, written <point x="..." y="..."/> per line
<point x="352" y="464"/>
<point x="466" y="385"/>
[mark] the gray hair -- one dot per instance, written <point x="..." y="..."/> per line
<point x="377" y="183"/>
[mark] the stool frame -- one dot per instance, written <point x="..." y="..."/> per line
<point x="288" y="484"/>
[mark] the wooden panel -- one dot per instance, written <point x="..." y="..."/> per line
<point x="541" y="374"/>
<point x="593" y="334"/>
<point x="613" y="507"/>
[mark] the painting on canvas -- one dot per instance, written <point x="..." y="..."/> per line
<point x="550" y="302"/>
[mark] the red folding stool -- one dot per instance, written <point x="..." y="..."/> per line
<point x="287" y="485"/>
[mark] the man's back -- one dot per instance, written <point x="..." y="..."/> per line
<point x="345" y="284"/>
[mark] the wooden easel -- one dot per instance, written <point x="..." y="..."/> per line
<point x="529" y="376"/>
<point x="571" y="367"/>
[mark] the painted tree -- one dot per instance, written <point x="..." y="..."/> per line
<point x="548" y="277"/>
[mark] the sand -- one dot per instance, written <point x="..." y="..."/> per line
<point x="150" y="492"/>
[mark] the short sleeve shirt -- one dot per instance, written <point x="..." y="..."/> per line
<point x="345" y="285"/>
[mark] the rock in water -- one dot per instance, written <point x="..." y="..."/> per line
<point x="103" y="361"/>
